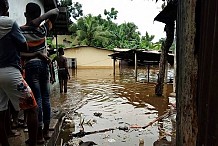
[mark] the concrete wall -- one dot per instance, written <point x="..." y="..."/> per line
<point x="17" y="9"/>
<point x="90" y="57"/>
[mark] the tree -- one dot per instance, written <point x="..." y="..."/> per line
<point x="146" y="42"/>
<point x="196" y="81"/>
<point x="74" y="10"/>
<point x="112" y="14"/>
<point x="126" y="36"/>
<point x="77" y="10"/>
<point x="167" y="16"/>
<point x="87" y="31"/>
<point x="99" y="32"/>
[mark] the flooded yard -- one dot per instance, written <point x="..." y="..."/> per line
<point x="101" y="101"/>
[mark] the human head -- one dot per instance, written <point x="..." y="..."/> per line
<point x="4" y="6"/>
<point x="61" y="51"/>
<point x="33" y="11"/>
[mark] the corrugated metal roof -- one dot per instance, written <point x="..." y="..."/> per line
<point x="142" y="56"/>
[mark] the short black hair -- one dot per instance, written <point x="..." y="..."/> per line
<point x="4" y="6"/>
<point x="61" y="51"/>
<point x="33" y="10"/>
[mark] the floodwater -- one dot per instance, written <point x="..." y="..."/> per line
<point x="102" y="101"/>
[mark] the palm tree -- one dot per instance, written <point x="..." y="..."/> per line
<point x="87" y="31"/>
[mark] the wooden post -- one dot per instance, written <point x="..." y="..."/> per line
<point x="56" y="38"/>
<point x="114" y="69"/>
<point x="174" y="76"/>
<point x="166" y="72"/>
<point x="148" y="72"/>
<point x="136" y="74"/>
<point x="169" y="28"/>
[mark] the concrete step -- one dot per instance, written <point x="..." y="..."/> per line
<point x="55" y="128"/>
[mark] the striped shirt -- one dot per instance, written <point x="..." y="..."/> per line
<point x="36" y="37"/>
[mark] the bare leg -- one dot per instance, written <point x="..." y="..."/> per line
<point x="15" y="119"/>
<point x="65" y="86"/>
<point x="61" y="85"/>
<point x="8" y="121"/>
<point x="9" y="131"/>
<point x="3" y="134"/>
<point x="14" y="115"/>
<point x="32" y="124"/>
<point x="40" y="138"/>
<point x="25" y="120"/>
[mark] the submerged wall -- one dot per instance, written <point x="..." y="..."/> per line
<point x="90" y="57"/>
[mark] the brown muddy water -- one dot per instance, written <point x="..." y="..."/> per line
<point x="121" y="101"/>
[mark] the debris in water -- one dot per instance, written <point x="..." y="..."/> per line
<point x="111" y="140"/>
<point x="97" y="114"/>
<point x="87" y="143"/>
<point x="125" y="128"/>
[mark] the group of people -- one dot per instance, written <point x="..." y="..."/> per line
<point x="24" y="71"/>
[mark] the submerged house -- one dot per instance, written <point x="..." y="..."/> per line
<point x="84" y="56"/>
<point x="89" y="57"/>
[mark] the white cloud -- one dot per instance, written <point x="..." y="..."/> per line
<point x="141" y="12"/>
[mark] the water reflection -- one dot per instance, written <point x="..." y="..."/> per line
<point x="120" y="100"/>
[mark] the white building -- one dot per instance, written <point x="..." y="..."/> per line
<point x="17" y="8"/>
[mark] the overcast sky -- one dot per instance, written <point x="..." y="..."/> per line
<point x="141" y="12"/>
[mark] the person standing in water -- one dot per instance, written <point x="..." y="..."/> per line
<point x="63" y="74"/>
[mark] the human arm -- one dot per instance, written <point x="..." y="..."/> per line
<point x="66" y="67"/>
<point x="18" y="38"/>
<point x="22" y="46"/>
<point x="52" y="73"/>
<point x="51" y="15"/>
<point x="36" y="54"/>
<point x="54" y="59"/>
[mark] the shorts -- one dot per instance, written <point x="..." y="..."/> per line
<point x="15" y="88"/>
<point x="62" y="74"/>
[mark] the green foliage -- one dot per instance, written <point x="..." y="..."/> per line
<point x="65" y="3"/>
<point x="74" y="10"/>
<point x="104" y="33"/>
<point x="68" y="5"/>
<point x="88" y="31"/>
<point x="51" y="45"/>
<point x="111" y="14"/>
<point x="49" y="41"/>
<point x="77" y="10"/>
